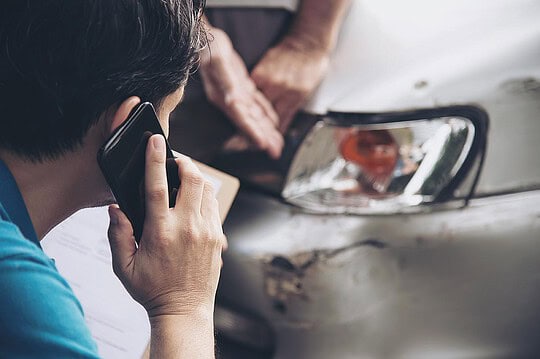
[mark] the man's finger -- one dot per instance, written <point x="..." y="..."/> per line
<point x="267" y="107"/>
<point x="121" y="240"/>
<point x="276" y="144"/>
<point x="156" y="191"/>
<point x="247" y="124"/>
<point x="260" y="129"/>
<point x="192" y="182"/>
<point x="210" y="205"/>
<point x="274" y="138"/>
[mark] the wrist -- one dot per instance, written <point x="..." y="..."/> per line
<point x="218" y="49"/>
<point x="200" y="317"/>
<point x="307" y="43"/>
<point x="181" y="306"/>
<point x="318" y="23"/>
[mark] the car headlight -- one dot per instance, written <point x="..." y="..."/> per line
<point x="384" y="164"/>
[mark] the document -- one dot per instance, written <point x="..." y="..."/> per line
<point x="81" y="251"/>
<point x="80" y="248"/>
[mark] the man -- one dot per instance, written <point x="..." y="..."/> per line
<point x="265" y="60"/>
<point x="70" y="73"/>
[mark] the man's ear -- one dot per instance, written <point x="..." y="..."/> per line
<point x="122" y="112"/>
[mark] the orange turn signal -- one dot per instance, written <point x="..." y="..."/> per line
<point x="375" y="151"/>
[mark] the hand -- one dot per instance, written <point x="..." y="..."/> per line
<point x="175" y="269"/>
<point x="228" y="86"/>
<point x="289" y="73"/>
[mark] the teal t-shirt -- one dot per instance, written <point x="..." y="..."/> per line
<point x="40" y="317"/>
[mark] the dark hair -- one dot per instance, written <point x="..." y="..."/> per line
<point x="63" y="63"/>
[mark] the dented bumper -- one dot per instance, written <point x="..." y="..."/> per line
<point x="462" y="282"/>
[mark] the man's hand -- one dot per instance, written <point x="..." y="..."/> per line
<point x="227" y="85"/>
<point x="174" y="271"/>
<point x="289" y="73"/>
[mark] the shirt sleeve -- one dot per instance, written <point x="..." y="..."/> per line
<point x="40" y="317"/>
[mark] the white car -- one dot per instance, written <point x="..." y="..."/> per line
<point x="404" y="218"/>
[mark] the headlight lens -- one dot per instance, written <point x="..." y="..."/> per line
<point x="377" y="168"/>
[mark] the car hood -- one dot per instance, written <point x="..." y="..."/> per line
<point x="401" y="56"/>
<point x="395" y="56"/>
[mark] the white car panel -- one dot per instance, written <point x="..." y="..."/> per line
<point x="400" y="56"/>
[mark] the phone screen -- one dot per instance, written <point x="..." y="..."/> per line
<point x="122" y="161"/>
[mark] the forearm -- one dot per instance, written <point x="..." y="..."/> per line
<point x="318" y="22"/>
<point x="204" y="58"/>
<point x="179" y="336"/>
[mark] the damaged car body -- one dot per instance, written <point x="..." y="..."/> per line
<point x="403" y="219"/>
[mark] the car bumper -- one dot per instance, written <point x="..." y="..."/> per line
<point x="455" y="283"/>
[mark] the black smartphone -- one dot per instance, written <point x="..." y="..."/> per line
<point x="122" y="161"/>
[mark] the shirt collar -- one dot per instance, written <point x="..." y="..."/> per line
<point x="13" y="203"/>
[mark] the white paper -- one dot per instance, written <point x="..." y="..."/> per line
<point x="81" y="251"/>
